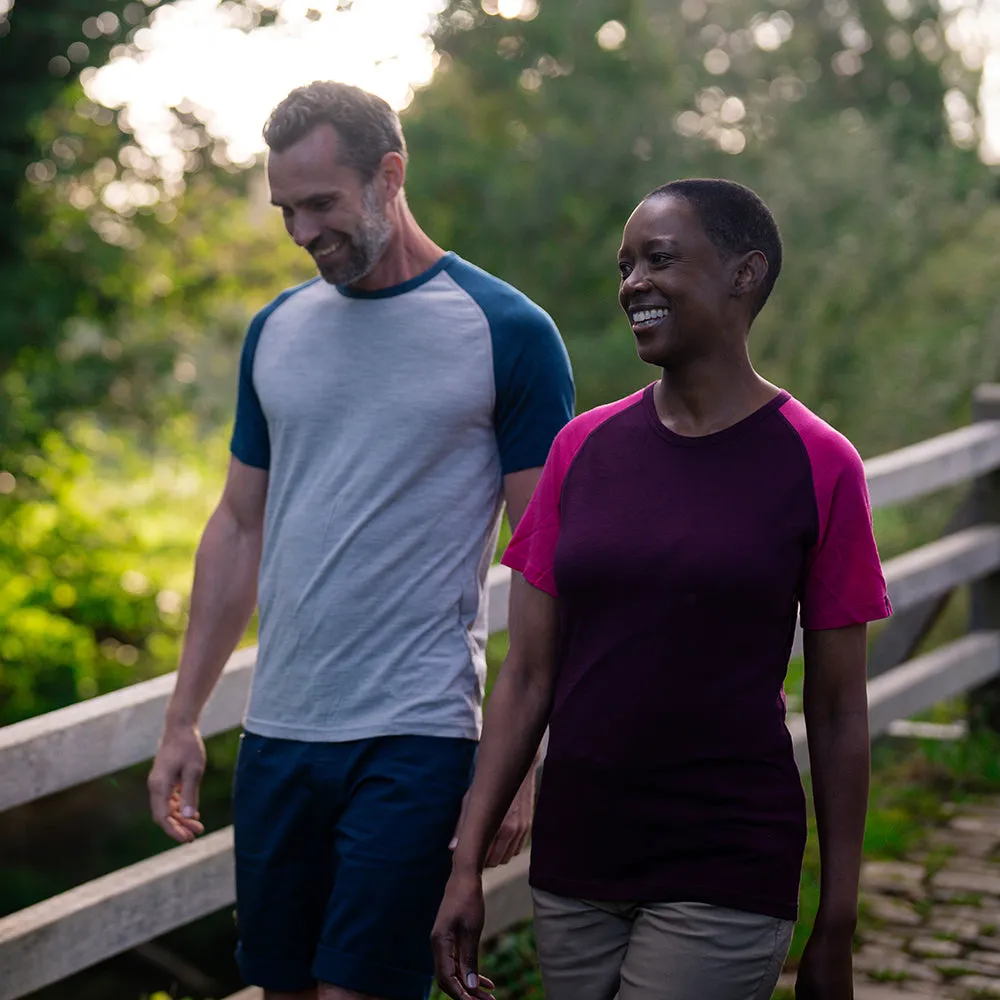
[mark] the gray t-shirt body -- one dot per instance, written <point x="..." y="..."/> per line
<point x="386" y="421"/>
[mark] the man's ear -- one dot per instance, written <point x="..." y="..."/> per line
<point x="391" y="175"/>
<point x="749" y="274"/>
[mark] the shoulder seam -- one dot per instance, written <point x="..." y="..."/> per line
<point x="804" y="451"/>
<point x="588" y="437"/>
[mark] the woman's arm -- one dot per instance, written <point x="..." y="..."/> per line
<point x="836" y="709"/>
<point x="516" y="718"/>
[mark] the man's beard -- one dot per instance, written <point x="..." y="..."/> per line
<point x="366" y="246"/>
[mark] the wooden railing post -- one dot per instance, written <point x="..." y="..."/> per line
<point x="984" y="702"/>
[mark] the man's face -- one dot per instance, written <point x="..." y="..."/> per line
<point x="328" y="208"/>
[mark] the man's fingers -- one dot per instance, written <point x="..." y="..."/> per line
<point x="499" y="847"/>
<point x="519" y="844"/>
<point x="174" y="829"/>
<point x="190" y="781"/>
<point x="458" y="825"/>
<point x="506" y="847"/>
<point x="159" y="796"/>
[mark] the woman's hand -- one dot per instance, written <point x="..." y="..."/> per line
<point x="826" y="971"/>
<point x="455" y="938"/>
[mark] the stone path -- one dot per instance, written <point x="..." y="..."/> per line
<point x="931" y="924"/>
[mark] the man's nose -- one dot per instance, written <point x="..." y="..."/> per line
<point x="303" y="231"/>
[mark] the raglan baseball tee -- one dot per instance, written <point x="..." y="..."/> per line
<point x="680" y="565"/>
<point x="386" y="421"/>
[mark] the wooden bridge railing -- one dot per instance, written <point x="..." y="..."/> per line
<point x="94" y="921"/>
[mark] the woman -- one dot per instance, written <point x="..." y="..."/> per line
<point x="671" y="542"/>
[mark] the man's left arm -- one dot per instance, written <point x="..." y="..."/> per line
<point x="835" y="702"/>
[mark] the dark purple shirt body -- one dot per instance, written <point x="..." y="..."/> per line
<point x="680" y="564"/>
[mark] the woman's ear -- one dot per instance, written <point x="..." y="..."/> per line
<point x="749" y="273"/>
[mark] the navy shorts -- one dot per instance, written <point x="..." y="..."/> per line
<point x="342" y="858"/>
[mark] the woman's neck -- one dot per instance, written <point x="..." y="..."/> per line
<point x="710" y="394"/>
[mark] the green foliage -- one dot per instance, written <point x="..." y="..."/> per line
<point x="93" y="569"/>
<point x="544" y="142"/>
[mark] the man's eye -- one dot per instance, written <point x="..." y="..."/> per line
<point x="624" y="269"/>
<point x="659" y="259"/>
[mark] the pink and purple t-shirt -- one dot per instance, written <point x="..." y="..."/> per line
<point x="680" y="564"/>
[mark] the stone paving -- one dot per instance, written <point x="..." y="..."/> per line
<point x="931" y="925"/>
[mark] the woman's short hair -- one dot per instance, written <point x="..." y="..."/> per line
<point x="368" y="127"/>
<point x="735" y="219"/>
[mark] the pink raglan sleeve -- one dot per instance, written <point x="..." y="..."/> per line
<point x="532" y="548"/>
<point x="844" y="584"/>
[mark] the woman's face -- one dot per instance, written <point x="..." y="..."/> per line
<point x="675" y="285"/>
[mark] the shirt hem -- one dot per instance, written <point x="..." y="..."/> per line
<point x="346" y="734"/>
<point x="873" y="613"/>
<point x="628" y="891"/>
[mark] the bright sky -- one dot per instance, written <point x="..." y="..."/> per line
<point x="194" y="50"/>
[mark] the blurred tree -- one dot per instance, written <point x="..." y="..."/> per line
<point x="550" y="125"/>
<point x="78" y="198"/>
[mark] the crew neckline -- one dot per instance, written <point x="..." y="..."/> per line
<point x="702" y="440"/>
<point x="403" y="287"/>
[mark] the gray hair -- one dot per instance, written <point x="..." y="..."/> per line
<point x="368" y="127"/>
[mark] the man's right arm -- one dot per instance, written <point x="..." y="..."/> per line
<point x="222" y="600"/>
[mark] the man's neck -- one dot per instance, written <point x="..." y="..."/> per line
<point x="409" y="253"/>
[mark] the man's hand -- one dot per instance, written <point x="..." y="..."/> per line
<point x="513" y="834"/>
<point x="826" y="970"/>
<point x="516" y="827"/>
<point x="174" y="781"/>
<point x="455" y="939"/>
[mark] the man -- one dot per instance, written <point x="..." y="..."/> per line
<point x="384" y="414"/>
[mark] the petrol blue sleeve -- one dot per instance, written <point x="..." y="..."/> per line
<point x="531" y="370"/>
<point x="251" y="443"/>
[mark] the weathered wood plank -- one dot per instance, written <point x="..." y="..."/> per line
<point x="497" y="598"/>
<point x="936" y="568"/>
<point x="984" y="610"/>
<point x="933" y="464"/>
<point x="942" y="565"/>
<point x="929" y="679"/>
<point x="71" y="931"/>
<point x="508" y="897"/>
<point x="899" y="640"/>
<point x="917" y="685"/>
<point x="60" y="936"/>
<point x="67" y="747"/>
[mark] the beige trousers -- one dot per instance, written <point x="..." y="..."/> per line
<point x="658" y="951"/>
